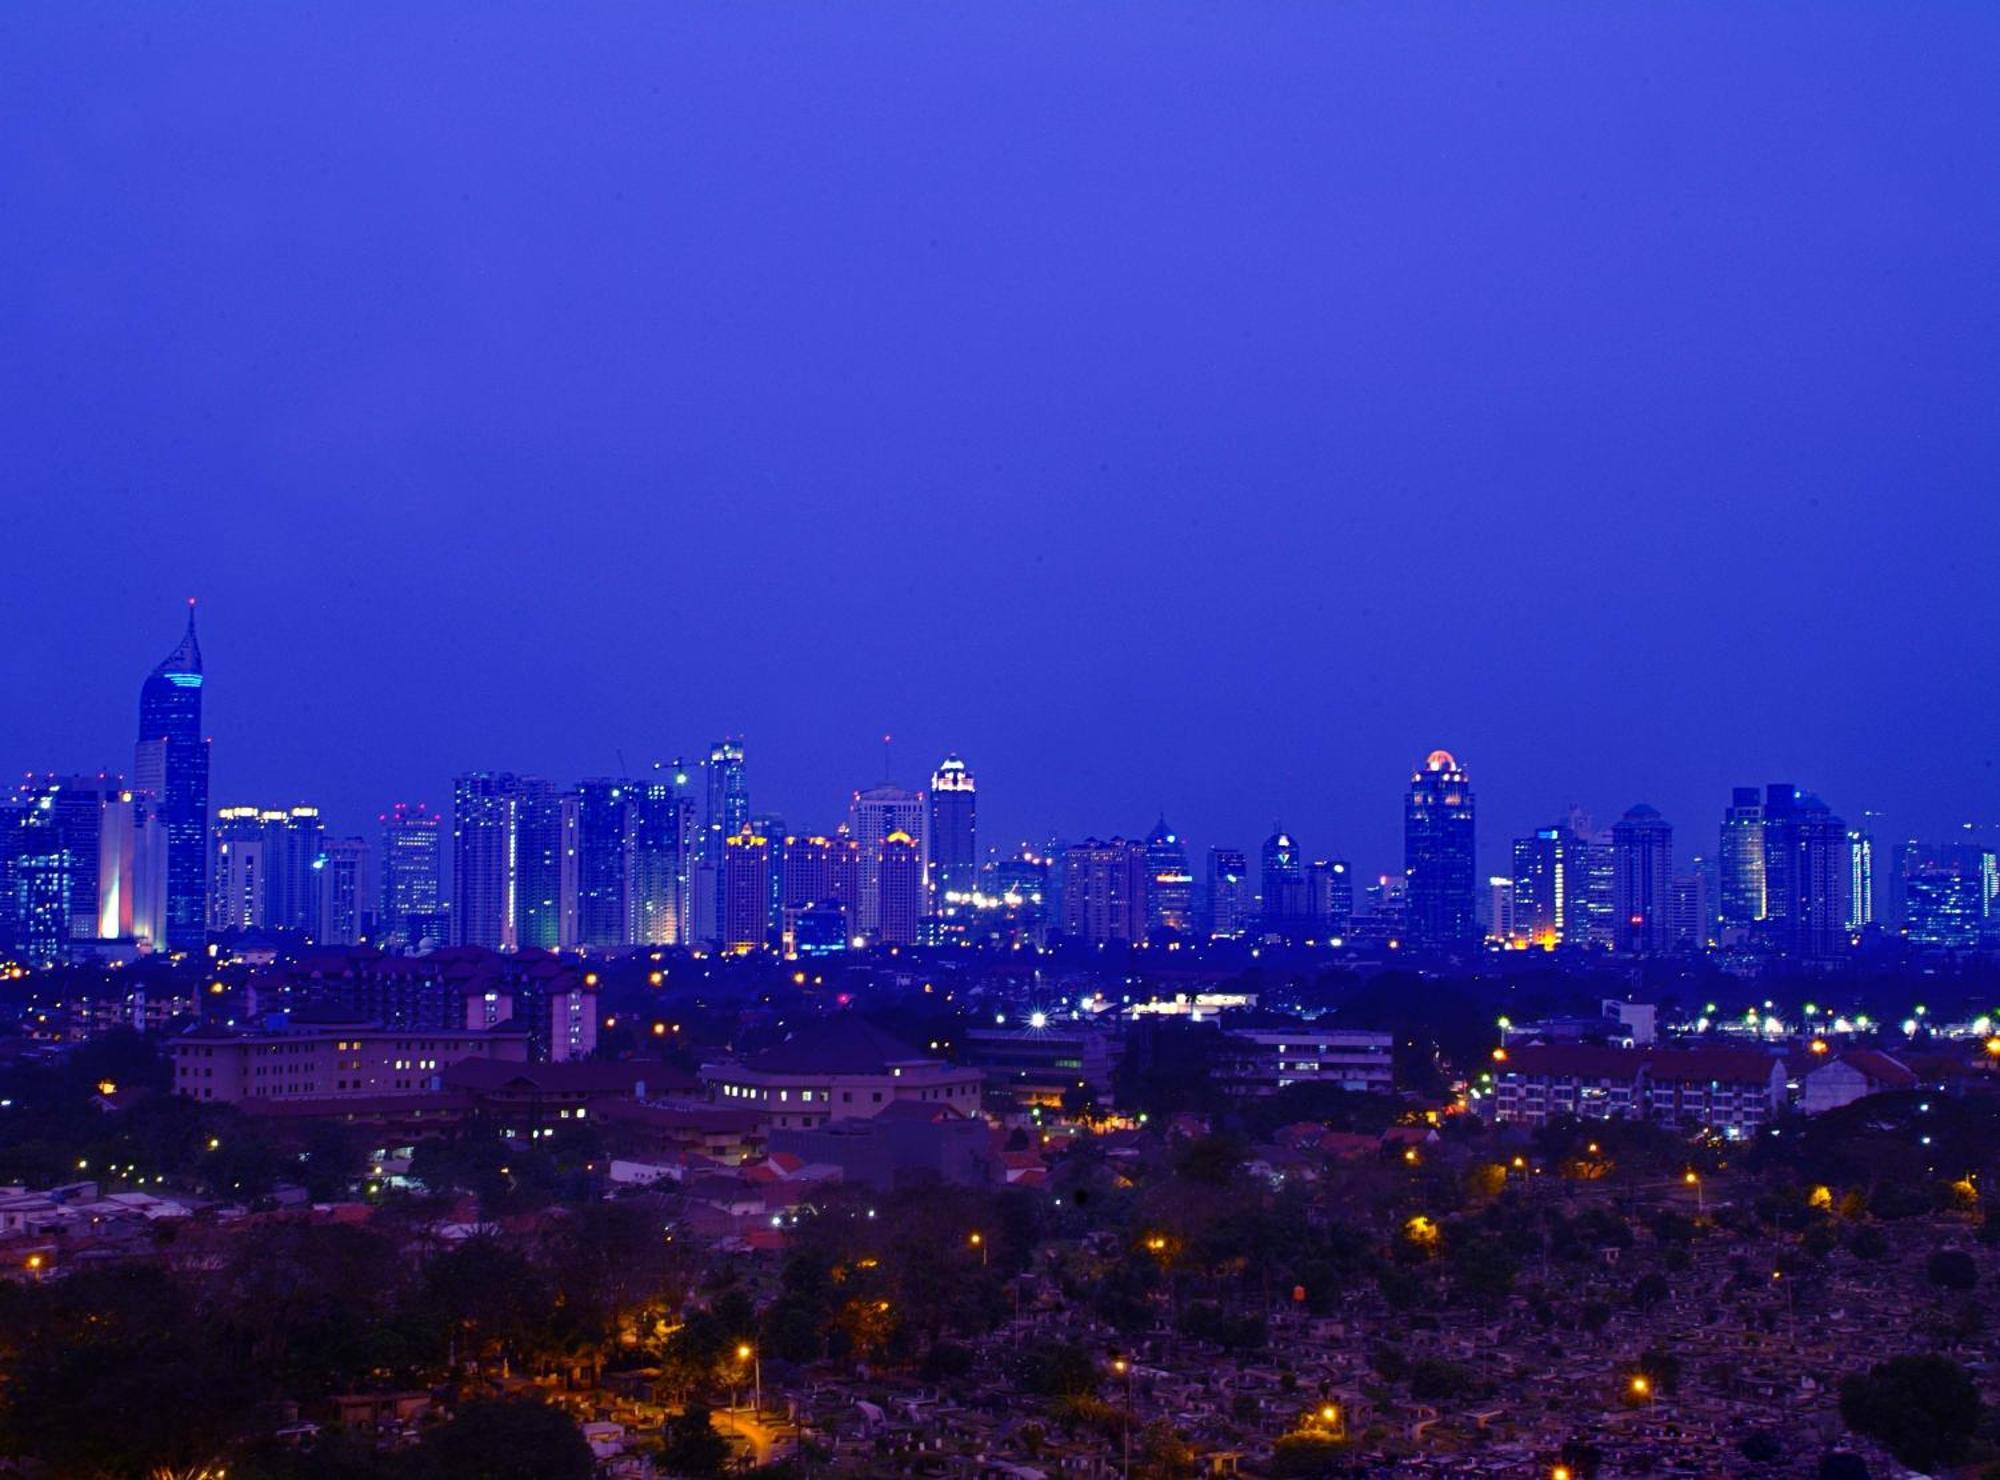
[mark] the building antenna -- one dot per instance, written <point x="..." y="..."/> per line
<point x="620" y="752"/>
<point x="885" y="758"/>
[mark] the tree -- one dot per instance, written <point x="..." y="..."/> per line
<point x="504" y="1439"/>
<point x="1952" y="1269"/>
<point x="1308" y="1454"/>
<point x="691" y="1446"/>
<point x="1923" y="1409"/>
<point x="1761" y="1447"/>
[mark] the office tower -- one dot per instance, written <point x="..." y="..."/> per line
<point x="746" y="891"/>
<point x="603" y="825"/>
<point x="1330" y="898"/>
<point x="239" y="889"/>
<point x="131" y="870"/>
<point x="412" y="873"/>
<point x="1229" y="901"/>
<point x="1499" y="909"/>
<point x="70" y="817"/>
<point x="508" y="848"/>
<point x="954" y="836"/>
<point x="1860" y="881"/>
<point x="37" y="865"/>
<point x="1104" y="891"/>
<point x="899" y="889"/>
<point x="1439" y="855"/>
<point x="816" y="876"/>
<point x="1806" y="867"/>
<point x="726" y="809"/>
<point x="1547" y="881"/>
<point x="294" y="839"/>
<point x="1283" y="876"/>
<point x="872" y="816"/>
<point x="344" y="893"/>
<point x="659" y="880"/>
<point x="1740" y="880"/>
<point x="1642" y="860"/>
<point x="170" y="768"/>
<point x="1593" y="908"/>
<point x="1170" y="891"/>
<point x="1689" y="913"/>
<point x="1386" y="920"/>
<point x="1945" y="895"/>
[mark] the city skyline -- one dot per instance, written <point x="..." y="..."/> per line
<point x="725" y="777"/>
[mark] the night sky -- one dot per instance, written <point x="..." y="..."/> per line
<point x="1209" y="407"/>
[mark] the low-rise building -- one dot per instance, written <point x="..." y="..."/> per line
<point x="1730" y="1090"/>
<point x="843" y="1069"/>
<point x="1263" y="1052"/>
<point x="1850" y="1076"/>
<point x="329" y="1060"/>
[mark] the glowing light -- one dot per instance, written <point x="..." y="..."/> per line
<point x="1038" y="1020"/>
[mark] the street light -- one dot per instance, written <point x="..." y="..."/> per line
<point x="1700" y="1193"/>
<point x="978" y="1241"/>
<point x="745" y="1352"/>
<point x="1124" y="1369"/>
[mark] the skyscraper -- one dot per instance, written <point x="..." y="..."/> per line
<point x="603" y="826"/>
<point x="1860" y="882"/>
<point x="900" y="889"/>
<point x="170" y="768"/>
<point x="1170" y="891"/>
<point x="1330" y="898"/>
<point x="507" y="861"/>
<point x="1547" y="882"/>
<point x="1945" y="895"/>
<point x="873" y="815"/>
<point x="344" y="900"/>
<point x="1229" y="902"/>
<point x="1283" y="877"/>
<point x="1104" y="891"/>
<point x="659" y="882"/>
<point x="1740" y="865"/>
<point x="727" y="808"/>
<point x="954" y="838"/>
<point x="1806" y="868"/>
<point x="1439" y="856"/>
<point x="412" y="873"/>
<point x="1642" y="860"/>
<point x="746" y="891"/>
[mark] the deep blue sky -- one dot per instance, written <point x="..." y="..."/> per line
<point x="1208" y="406"/>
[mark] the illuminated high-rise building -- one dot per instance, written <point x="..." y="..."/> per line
<point x="1283" y="876"/>
<point x="1642" y="860"/>
<point x="1860" y="882"/>
<point x="900" y="889"/>
<point x="412" y="873"/>
<point x="1500" y="926"/>
<point x="873" y="815"/>
<point x="170" y="768"/>
<point x="1946" y="895"/>
<point x="1330" y="898"/>
<point x="1170" y="883"/>
<point x="603" y="811"/>
<point x="746" y="891"/>
<point x="818" y="875"/>
<point x="1230" y="905"/>
<point x="1547" y="883"/>
<point x="1440" y="858"/>
<point x="1691" y="916"/>
<point x="1806" y="867"/>
<point x="344" y="903"/>
<point x="659" y="880"/>
<point x="727" y="784"/>
<point x="507" y="861"/>
<point x="954" y="834"/>
<point x="1104" y="891"/>
<point x="1740" y="866"/>
<point x="294" y="840"/>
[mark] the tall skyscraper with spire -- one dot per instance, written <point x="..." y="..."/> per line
<point x="1439" y="858"/>
<point x="170" y="767"/>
